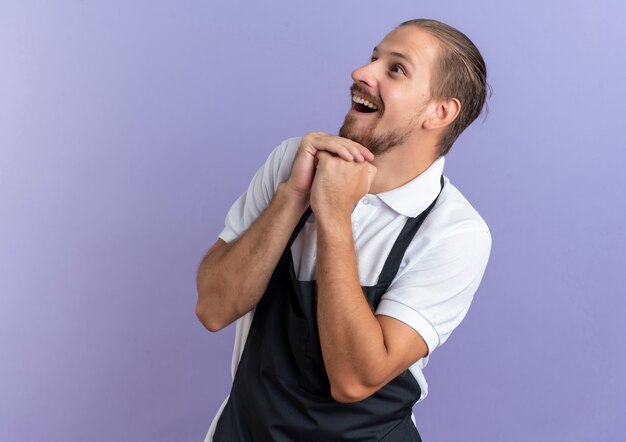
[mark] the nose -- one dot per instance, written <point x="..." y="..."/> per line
<point x="365" y="75"/>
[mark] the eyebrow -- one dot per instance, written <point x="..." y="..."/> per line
<point x="396" y="54"/>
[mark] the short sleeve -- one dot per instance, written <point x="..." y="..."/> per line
<point x="434" y="295"/>
<point x="247" y="208"/>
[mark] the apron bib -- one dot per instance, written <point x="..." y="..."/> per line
<point x="281" y="391"/>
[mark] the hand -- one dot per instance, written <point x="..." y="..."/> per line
<point x="303" y="169"/>
<point x="338" y="184"/>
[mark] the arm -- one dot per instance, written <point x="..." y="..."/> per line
<point x="362" y="352"/>
<point x="232" y="277"/>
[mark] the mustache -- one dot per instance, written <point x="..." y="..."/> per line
<point x="357" y="89"/>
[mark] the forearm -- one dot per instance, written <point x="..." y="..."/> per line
<point x="351" y="338"/>
<point x="232" y="279"/>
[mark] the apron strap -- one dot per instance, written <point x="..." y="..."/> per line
<point x="392" y="264"/>
<point x="301" y="222"/>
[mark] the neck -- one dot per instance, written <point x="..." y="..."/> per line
<point x="399" y="165"/>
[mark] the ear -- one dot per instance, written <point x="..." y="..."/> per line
<point x="444" y="113"/>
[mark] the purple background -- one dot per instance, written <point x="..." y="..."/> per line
<point x="127" y="128"/>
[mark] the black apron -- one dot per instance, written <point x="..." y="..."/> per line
<point x="281" y="391"/>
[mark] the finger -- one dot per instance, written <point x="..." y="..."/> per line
<point x="323" y="155"/>
<point x="364" y="151"/>
<point x="343" y="147"/>
<point x="358" y="156"/>
<point x="342" y="151"/>
<point x="329" y="143"/>
<point x="355" y="149"/>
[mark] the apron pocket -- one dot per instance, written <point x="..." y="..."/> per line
<point x="297" y="335"/>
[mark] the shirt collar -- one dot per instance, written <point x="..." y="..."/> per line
<point x="414" y="197"/>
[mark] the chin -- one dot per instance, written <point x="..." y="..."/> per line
<point x="375" y="143"/>
<point x="351" y="130"/>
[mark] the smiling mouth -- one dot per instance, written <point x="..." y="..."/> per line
<point x="362" y="105"/>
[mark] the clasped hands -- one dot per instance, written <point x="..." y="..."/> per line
<point x="334" y="171"/>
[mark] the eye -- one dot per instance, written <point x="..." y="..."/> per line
<point x="398" y="69"/>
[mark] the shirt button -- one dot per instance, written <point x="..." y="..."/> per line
<point x="366" y="201"/>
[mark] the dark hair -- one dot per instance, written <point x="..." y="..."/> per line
<point x="460" y="72"/>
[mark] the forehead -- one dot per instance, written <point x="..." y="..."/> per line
<point x="418" y="45"/>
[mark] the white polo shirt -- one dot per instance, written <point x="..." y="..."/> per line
<point x="438" y="276"/>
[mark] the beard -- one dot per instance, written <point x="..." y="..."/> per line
<point x="375" y="143"/>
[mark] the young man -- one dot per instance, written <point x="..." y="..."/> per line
<point x="351" y="258"/>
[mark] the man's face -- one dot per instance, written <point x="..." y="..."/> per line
<point x="396" y="84"/>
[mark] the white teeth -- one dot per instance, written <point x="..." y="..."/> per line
<point x="364" y="102"/>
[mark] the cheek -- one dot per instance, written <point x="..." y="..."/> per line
<point x="403" y="108"/>
<point x="404" y="100"/>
